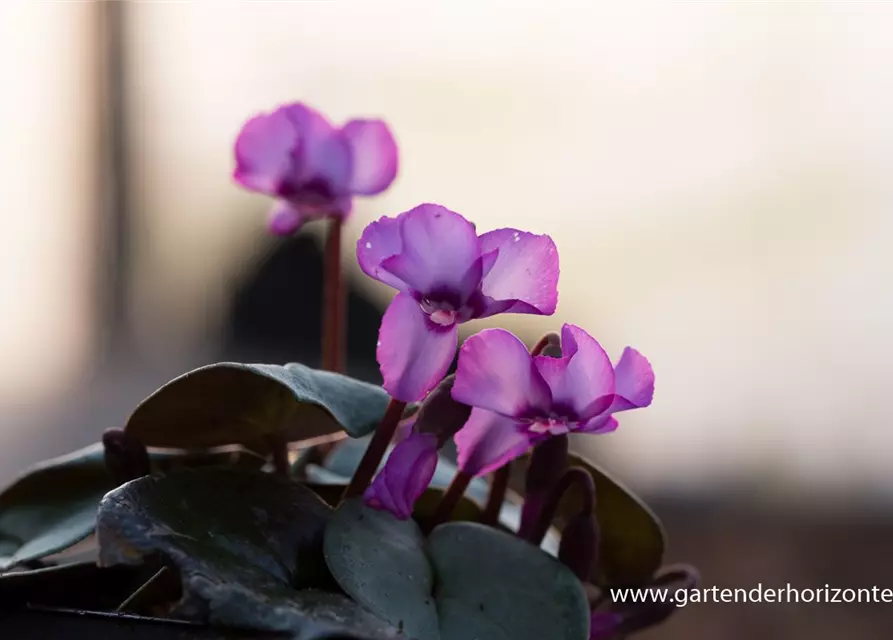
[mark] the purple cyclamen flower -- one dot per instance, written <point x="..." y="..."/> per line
<point x="310" y="166"/>
<point x="604" y="624"/>
<point x="405" y="476"/>
<point x="520" y="400"/>
<point x="447" y="274"/>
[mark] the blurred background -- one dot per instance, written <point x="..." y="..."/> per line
<point x="717" y="177"/>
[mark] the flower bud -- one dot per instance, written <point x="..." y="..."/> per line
<point x="405" y="476"/>
<point x="440" y="415"/>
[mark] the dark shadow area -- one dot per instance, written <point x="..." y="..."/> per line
<point x="276" y="313"/>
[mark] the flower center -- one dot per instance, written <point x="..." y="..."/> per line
<point x="552" y="425"/>
<point x="444" y="317"/>
<point x="441" y="313"/>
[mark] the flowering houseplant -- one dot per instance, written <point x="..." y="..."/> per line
<point x="216" y="504"/>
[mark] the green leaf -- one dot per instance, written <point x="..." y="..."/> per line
<point x="380" y="562"/>
<point x="244" y="543"/>
<point x="632" y="539"/>
<point x="489" y="584"/>
<point x="492" y="584"/>
<point x="52" y="506"/>
<point x="231" y="403"/>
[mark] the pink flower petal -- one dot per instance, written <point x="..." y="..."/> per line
<point x="405" y="476"/>
<point x="373" y="156"/>
<point x="284" y="219"/>
<point x="496" y="372"/>
<point x="633" y="380"/>
<point x="413" y="353"/>
<point x="583" y="379"/>
<point x="488" y="441"/>
<point x="264" y="152"/>
<point x="381" y="240"/>
<point x="524" y="277"/>
<point x="439" y="249"/>
<point x="599" y="424"/>
<point x="320" y="152"/>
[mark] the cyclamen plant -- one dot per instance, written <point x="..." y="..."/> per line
<point x="230" y="499"/>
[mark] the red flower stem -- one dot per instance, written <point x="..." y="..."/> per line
<point x="574" y="475"/>
<point x="279" y="453"/>
<point x="547" y="462"/>
<point x="376" y="450"/>
<point x="451" y="498"/>
<point x="499" y="482"/>
<point x="550" y="341"/>
<point x="549" y="458"/>
<point x="333" y="318"/>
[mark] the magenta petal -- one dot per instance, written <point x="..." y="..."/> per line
<point x="599" y="424"/>
<point x="524" y="277"/>
<point x="488" y="441"/>
<point x="496" y="372"/>
<point x="321" y="158"/>
<point x="264" y="152"/>
<point x="373" y="156"/>
<point x="328" y="162"/>
<point x="380" y="240"/>
<point x="604" y="625"/>
<point x="405" y="476"/>
<point x="583" y="379"/>
<point x="413" y="353"/>
<point x="284" y="219"/>
<point x="488" y="260"/>
<point x="440" y="247"/>
<point x="633" y="381"/>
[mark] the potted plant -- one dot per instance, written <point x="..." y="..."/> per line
<point x="257" y="500"/>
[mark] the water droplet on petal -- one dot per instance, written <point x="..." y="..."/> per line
<point x="368" y="245"/>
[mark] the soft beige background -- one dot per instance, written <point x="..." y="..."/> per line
<point x="717" y="177"/>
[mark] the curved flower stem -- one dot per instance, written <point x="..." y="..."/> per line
<point x="579" y="544"/>
<point x="333" y="318"/>
<point x="547" y="463"/>
<point x="499" y="482"/>
<point x="451" y="498"/>
<point x="381" y="438"/>
<point x="574" y="475"/>
<point x="549" y="345"/>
